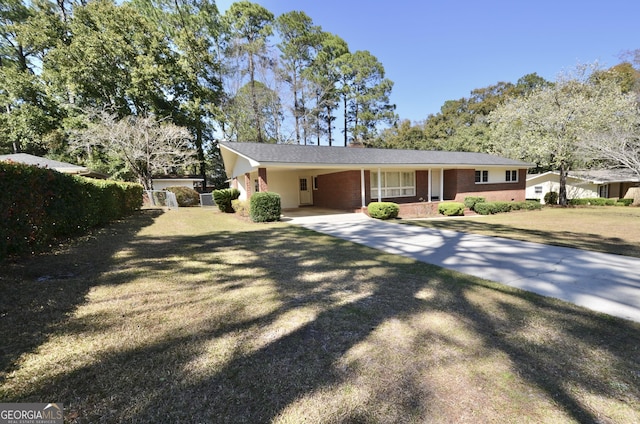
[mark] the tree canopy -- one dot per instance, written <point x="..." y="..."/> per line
<point x="550" y="126"/>
<point x="245" y="75"/>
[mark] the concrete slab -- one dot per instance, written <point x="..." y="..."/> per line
<point x="601" y="282"/>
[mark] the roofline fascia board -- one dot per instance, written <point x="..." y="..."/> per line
<point x="310" y="165"/>
<point x="252" y="162"/>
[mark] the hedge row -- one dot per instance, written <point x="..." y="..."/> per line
<point x="600" y="201"/>
<point x="39" y="205"/>
<point x="489" y="208"/>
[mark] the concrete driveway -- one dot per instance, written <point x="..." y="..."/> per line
<point x="598" y="281"/>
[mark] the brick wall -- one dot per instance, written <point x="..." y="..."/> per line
<point x="418" y="210"/>
<point x="460" y="183"/>
<point x="340" y="190"/>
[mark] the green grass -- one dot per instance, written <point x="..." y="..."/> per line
<point x="608" y="229"/>
<point x="196" y="316"/>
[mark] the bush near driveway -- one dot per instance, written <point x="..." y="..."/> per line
<point x="265" y="207"/>
<point x="383" y="210"/>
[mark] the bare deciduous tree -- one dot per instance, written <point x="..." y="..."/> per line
<point x="619" y="148"/>
<point x="146" y="145"/>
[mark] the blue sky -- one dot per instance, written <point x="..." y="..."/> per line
<point x="435" y="51"/>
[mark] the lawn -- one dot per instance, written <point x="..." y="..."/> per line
<point x="610" y="229"/>
<point x="195" y="316"/>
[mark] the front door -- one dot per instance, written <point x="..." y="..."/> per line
<point x="305" y="191"/>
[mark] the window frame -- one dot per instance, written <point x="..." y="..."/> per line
<point x="386" y="190"/>
<point x="511" y="175"/>
<point x="481" y="176"/>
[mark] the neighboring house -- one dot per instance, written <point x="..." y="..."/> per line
<point x="607" y="183"/>
<point x="63" y="167"/>
<point x="191" y="181"/>
<point x="350" y="178"/>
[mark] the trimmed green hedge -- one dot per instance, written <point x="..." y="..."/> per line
<point x="186" y="196"/>
<point x="39" y="205"/>
<point x="489" y="208"/>
<point x="451" y="208"/>
<point x="470" y="201"/>
<point x="383" y="210"/>
<point x="265" y="207"/>
<point x="593" y="201"/>
<point x="224" y="197"/>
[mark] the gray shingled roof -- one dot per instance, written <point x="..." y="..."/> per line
<point x="597" y="176"/>
<point x="606" y="175"/>
<point x="324" y="155"/>
<point x="64" y="167"/>
<point x="40" y="161"/>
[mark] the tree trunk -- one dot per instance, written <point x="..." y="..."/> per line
<point x="562" y="195"/>
<point x="345" y="121"/>
<point x="201" y="158"/>
<point x="254" y="100"/>
<point x="329" y="125"/>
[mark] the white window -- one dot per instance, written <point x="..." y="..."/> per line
<point x="393" y="184"/>
<point x="538" y="189"/>
<point x="511" y="175"/>
<point x="482" y="176"/>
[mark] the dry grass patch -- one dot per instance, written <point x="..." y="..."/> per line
<point x="195" y="316"/>
<point x="608" y="229"/>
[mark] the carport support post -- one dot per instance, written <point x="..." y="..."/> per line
<point x="441" y="184"/>
<point x="362" y="189"/>
<point x="429" y="186"/>
<point x="262" y="179"/>
<point x="247" y="185"/>
<point x="379" y="186"/>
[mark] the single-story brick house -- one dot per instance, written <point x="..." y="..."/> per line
<point x="606" y="183"/>
<point x="349" y="178"/>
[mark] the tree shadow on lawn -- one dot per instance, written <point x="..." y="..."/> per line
<point x="583" y="241"/>
<point x="348" y="356"/>
<point x="39" y="292"/>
